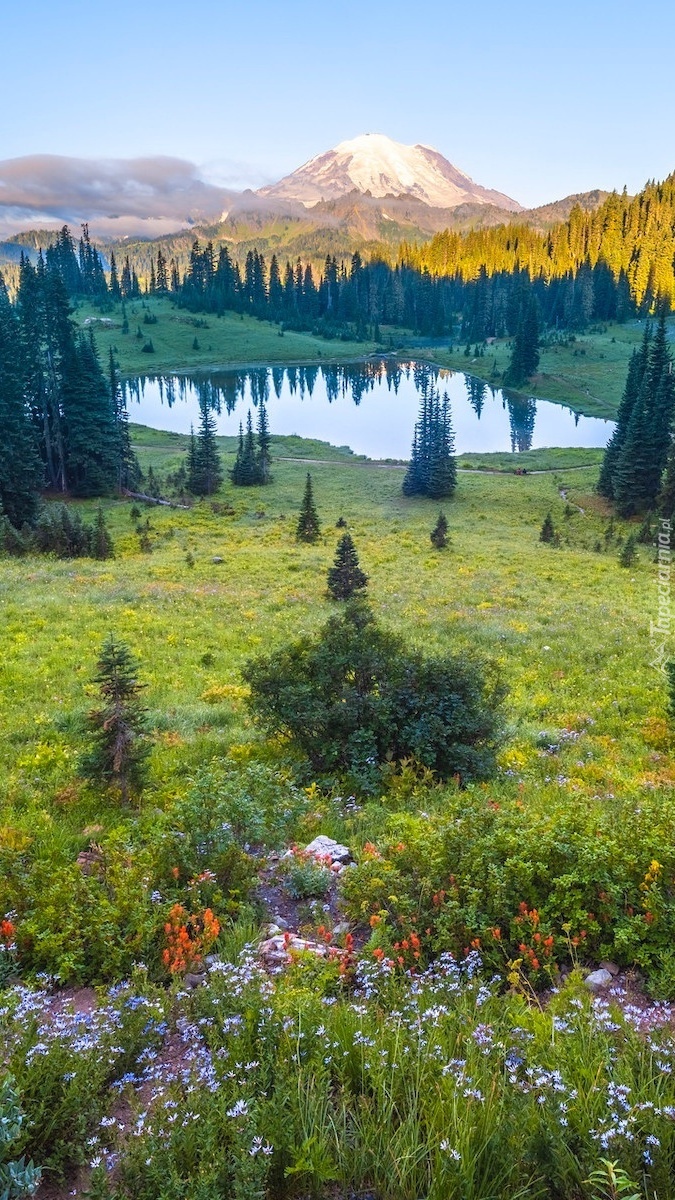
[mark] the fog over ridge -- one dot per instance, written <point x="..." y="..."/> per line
<point x="153" y="194"/>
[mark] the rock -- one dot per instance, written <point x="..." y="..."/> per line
<point x="276" y="951"/>
<point x="192" y="981"/>
<point x="273" y="930"/>
<point x="217" y="559"/>
<point x="324" y="846"/>
<point x="280" y="922"/>
<point x="341" y="928"/>
<point x="609" y="966"/>
<point x="597" y="981"/>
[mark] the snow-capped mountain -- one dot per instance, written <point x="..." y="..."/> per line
<point x="374" y="163"/>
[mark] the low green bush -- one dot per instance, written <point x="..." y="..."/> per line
<point x="538" y="881"/>
<point x="357" y="697"/>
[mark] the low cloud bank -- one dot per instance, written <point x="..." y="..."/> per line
<point x="117" y="196"/>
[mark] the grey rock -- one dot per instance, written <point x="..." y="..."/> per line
<point x="193" y="981"/>
<point x="341" y="928"/>
<point x="609" y="966"/>
<point x="217" y="559"/>
<point x="280" y="922"/>
<point x="326" y="846"/>
<point x="597" y="981"/>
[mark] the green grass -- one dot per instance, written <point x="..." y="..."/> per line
<point x="587" y="375"/>
<point x="548" y="458"/>
<point x="497" y="590"/>
<point x="229" y="340"/>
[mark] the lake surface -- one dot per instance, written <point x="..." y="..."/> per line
<point x="371" y="407"/>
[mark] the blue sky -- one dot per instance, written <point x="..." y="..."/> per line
<point x="535" y="99"/>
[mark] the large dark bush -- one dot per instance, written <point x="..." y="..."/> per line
<point x="357" y="696"/>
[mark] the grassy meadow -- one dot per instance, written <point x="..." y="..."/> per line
<point x="544" y="614"/>
<point x="396" y="1066"/>
<point x="586" y="373"/>
<point x="230" y="340"/>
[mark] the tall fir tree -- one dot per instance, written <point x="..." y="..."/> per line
<point x="432" y="470"/>
<point x="636" y="371"/>
<point x="264" y="441"/>
<point x="20" y="468"/>
<point x="114" y="283"/>
<point x="345" y="578"/>
<point x="525" y="356"/>
<point x="245" y="470"/>
<point x="129" y="471"/>
<point x="205" y="473"/>
<point x="638" y="453"/>
<point x="308" y="528"/>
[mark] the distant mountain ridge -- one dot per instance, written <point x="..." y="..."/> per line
<point x="375" y="165"/>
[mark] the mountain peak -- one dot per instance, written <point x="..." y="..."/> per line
<point x="374" y="163"/>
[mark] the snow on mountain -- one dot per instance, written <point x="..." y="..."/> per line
<point x="374" y="163"/>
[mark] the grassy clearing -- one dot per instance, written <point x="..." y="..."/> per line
<point x="498" y="590"/>
<point x="587" y="374"/>
<point x="230" y="340"/>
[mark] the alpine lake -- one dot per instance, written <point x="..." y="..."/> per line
<point x="369" y="406"/>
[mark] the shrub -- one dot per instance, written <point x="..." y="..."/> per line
<point x="305" y="876"/>
<point x="543" y="880"/>
<point x="356" y="697"/>
<point x="18" y="1178"/>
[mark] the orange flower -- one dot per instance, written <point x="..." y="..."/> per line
<point x="376" y="919"/>
<point x="378" y="953"/>
<point x="497" y="933"/>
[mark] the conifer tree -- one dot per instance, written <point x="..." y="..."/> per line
<point x="525" y="356"/>
<point x="205" y="472"/>
<point x="636" y="370"/>
<point x="20" y="470"/>
<point x="666" y="503"/>
<point x="547" y="533"/>
<point x="264" y="457"/>
<point x="161" y="279"/>
<point x="245" y="472"/>
<point x="628" y="553"/>
<point x="129" y="470"/>
<point x="119" y="745"/>
<point x="308" y="528"/>
<point x="101" y="541"/>
<point x="114" y="284"/>
<point x="439" y="533"/>
<point x="345" y="578"/>
<point x="432" y="470"/>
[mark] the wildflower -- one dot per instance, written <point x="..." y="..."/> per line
<point x="240" y="1109"/>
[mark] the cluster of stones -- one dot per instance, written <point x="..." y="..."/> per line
<point x="277" y="949"/>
